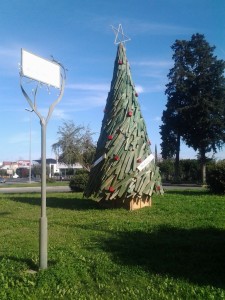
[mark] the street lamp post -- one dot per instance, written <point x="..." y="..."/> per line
<point x="52" y="74"/>
<point x="30" y="111"/>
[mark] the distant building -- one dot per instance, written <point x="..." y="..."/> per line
<point x="59" y="168"/>
<point x="55" y="167"/>
<point x="11" y="166"/>
<point x="23" y="163"/>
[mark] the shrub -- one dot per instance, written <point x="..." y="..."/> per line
<point x="50" y="180"/>
<point x="216" y="177"/>
<point x="190" y="170"/>
<point x="3" y="172"/>
<point x="79" y="181"/>
<point x="167" y="169"/>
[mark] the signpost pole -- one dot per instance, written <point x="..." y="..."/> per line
<point x="53" y="74"/>
<point x="30" y="111"/>
<point x="43" y="243"/>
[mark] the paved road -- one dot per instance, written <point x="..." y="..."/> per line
<point x="34" y="189"/>
<point x="168" y="186"/>
<point x="67" y="189"/>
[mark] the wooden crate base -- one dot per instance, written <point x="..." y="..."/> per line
<point x="129" y="204"/>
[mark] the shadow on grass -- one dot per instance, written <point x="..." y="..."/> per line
<point x="196" y="255"/>
<point x="4" y="213"/>
<point x="27" y="261"/>
<point x="78" y="203"/>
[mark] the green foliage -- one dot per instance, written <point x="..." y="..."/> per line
<point x="170" y="138"/>
<point x="50" y="180"/>
<point x="189" y="170"/>
<point x="204" y="111"/>
<point x="36" y="170"/>
<point x="195" y="110"/>
<point x="3" y="172"/>
<point x="79" y="181"/>
<point x="216" y="177"/>
<point x="173" y="250"/>
<point x="22" y="172"/>
<point x="75" y="144"/>
<point x="167" y="169"/>
<point x="69" y="172"/>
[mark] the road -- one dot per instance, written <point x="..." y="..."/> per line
<point x="36" y="189"/>
<point x="62" y="189"/>
<point x="168" y="186"/>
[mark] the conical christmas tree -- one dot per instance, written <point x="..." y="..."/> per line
<point x="123" y="172"/>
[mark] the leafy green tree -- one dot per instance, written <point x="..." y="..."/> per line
<point x="204" y="113"/>
<point x="75" y="144"/>
<point x="172" y="128"/>
<point x="171" y="135"/>
<point x="196" y="93"/>
<point x="3" y="172"/>
<point x="22" y="172"/>
<point x="36" y="170"/>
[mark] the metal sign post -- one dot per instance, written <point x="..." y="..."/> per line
<point x="53" y="74"/>
<point x="30" y="111"/>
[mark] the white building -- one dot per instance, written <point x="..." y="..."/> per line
<point x="61" y="168"/>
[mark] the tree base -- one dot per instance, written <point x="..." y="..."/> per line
<point x="129" y="204"/>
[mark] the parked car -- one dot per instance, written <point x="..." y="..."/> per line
<point x="2" y="180"/>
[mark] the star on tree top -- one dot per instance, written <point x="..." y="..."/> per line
<point x="120" y="37"/>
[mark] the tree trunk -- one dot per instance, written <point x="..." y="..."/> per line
<point x="156" y="156"/>
<point x="203" y="165"/>
<point x="204" y="173"/>
<point x="177" y="160"/>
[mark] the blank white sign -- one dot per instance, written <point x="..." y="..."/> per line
<point x="145" y="162"/>
<point x="40" y="69"/>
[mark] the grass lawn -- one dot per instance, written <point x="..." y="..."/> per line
<point x="173" y="250"/>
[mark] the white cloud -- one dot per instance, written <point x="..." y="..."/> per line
<point x="156" y="88"/>
<point x="60" y="114"/>
<point x="85" y="96"/>
<point x="157" y="119"/>
<point x="153" y="63"/>
<point x="139" y="89"/>
<point x="9" y="52"/>
<point x="155" y="69"/>
<point x="9" y="60"/>
<point x="89" y="87"/>
<point x="22" y="137"/>
<point x="89" y="96"/>
<point x="139" y="27"/>
<point x="18" y="138"/>
<point x="84" y="102"/>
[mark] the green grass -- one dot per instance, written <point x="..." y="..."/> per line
<point x="173" y="250"/>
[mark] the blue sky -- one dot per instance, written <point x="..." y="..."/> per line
<point x="78" y="34"/>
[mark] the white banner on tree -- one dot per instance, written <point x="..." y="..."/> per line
<point x="99" y="160"/>
<point x="145" y="162"/>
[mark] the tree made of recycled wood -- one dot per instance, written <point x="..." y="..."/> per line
<point x="124" y="171"/>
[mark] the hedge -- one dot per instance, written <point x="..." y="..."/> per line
<point x="79" y="181"/>
<point x="216" y="177"/>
